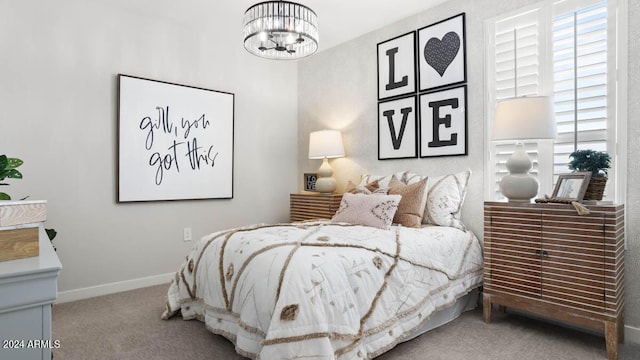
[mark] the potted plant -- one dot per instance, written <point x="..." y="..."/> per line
<point x="596" y="162"/>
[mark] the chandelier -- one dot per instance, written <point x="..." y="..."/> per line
<point x="280" y="30"/>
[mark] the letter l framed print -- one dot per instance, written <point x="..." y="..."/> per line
<point x="397" y="129"/>
<point x="443" y="122"/>
<point x="397" y="66"/>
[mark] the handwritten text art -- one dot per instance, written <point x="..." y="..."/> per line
<point x="175" y="141"/>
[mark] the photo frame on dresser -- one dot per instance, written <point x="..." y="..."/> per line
<point x="572" y="186"/>
<point x="442" y="55"/>
<point x="397" y="66"/>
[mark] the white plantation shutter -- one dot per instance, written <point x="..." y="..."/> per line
<point x="580" y="83"/>
<point x="562" y="48"/>
<point x="513" y="69"/>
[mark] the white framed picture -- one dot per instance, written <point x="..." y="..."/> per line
<point x="397" y="66"/>
<point x="442" y="54"/>
<point x="443" y="122"/>
<point x="175" y="142"/>
<point x="397" y="129"/>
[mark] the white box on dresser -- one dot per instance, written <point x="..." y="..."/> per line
<point x="28" y="287"/>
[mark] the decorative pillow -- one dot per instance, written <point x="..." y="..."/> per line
<point x="370" y="188"/>
<point x="413" y="202"/>
<point x="369" y="210"/>
<point x="445" y="195"/>
<point x="383" y="180"/>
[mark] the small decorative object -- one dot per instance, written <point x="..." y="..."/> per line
<point x="571" y="187"/>
<point x="441" y="53"/>
<point x="598" y="164"/>
<point x="396" y="66"/>
<point x="310" y="181"/>
<point x="325" y="144"/>
<point x="397" y="129"/>
<point x="443" y="122"/>
<point x="8" y="170"/>
<point x="280" y="30"/>
<point x="175" y="141"/>
<point x="520" y="119"/>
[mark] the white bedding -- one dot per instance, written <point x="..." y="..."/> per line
<point x="323" y="291"/>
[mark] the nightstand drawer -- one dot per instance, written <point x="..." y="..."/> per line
<point x="308" y="206"/>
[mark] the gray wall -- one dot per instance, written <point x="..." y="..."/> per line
<point x="337" y="89"/>
<point x="59" y="61"/>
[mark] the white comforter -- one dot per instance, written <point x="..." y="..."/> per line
<point x="323" y="291"/>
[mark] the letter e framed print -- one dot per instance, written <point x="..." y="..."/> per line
<point x="443" y="122"/>
<point x="175" y="142"/>
<point x="397" y="66"/>
<point x="397" y="129"/>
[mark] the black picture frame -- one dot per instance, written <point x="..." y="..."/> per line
<point x="442" y="55"/>
<point x="310" y="181"/>
<point x="398" y="128"/>
<point x="175" y="142"/>
<point x="572" y="186"/>
<point x="397" y="66"/>
<point x="443" y="122"/>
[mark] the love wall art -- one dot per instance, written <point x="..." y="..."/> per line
<point x="175" y="141"/>
<point x="422" y="93"/>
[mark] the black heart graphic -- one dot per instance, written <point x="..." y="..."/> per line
<point x="440" y="54"/>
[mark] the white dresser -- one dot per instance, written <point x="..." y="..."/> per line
<point x="28" y="287"/>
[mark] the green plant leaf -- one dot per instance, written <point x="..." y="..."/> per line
<point x="13" y="163"/>
<point x="14" y="174"/>
<point x="4" y="196"/>
<point x="51" y="233"/>
<point x="3" y="162"/>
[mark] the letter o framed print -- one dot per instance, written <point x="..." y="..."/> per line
<point x="443" y="122"/>
<point x="442" y="54"/>
<point x="397" y="66"/>
<point x="397" y="129"/>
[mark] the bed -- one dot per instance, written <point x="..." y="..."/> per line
<point x="328" y="289"/>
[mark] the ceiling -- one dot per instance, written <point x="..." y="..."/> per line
<point x="343" y="20"/>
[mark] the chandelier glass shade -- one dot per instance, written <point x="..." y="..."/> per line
<point x="280" y="30"/>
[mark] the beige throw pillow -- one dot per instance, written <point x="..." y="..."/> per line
<point x="369" y="210"/>
<point x="414" y="199"/>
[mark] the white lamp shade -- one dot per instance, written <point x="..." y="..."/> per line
<point x="325" y="144"/>
<point x="525" y="118"/>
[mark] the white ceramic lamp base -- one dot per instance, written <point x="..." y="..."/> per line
<point x="325" y="182"/>
<point x="519" y="185"/>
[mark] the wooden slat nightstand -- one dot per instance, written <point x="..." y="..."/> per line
<point x="548" y="260"/>
<point x="308" y="206"/>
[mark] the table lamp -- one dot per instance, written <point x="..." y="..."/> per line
<point x="325" y="144"/>
<point x="522" y="118"/>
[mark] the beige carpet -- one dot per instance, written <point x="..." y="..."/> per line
<point x="127" y="326"/>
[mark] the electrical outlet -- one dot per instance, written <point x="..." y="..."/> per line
<point x="187" y="234"/>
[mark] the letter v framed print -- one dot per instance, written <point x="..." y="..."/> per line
<point x="442" y="54"/>
<point x="398" y="129"/>
<point x="443" y="122"/>
<point x="397" y="66"/>
<point x="175" y="142"/>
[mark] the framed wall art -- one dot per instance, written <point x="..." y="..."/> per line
<point x="310" y="181"/>
<point x="175" y="142"/>
<point x="443" y="122"/>
<point x="397" y="66"/>
<point x="397" y="129"/>
<point x="442" y="53"/>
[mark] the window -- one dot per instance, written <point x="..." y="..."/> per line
<point x="566" y="49"/>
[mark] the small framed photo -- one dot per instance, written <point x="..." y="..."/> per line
<point x="310" y="181"/>
<point x="571" y="186"/>
<point x="441" y="53"/>
<point x="397" y="66"/>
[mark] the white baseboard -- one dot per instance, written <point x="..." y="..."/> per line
<point x="631" y="334"/>
<point x="106" y="289"/>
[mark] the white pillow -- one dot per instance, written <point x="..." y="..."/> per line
<point x="445" y="196"/>
<point x="369" y="210"/>
<point x="383" y="180"/>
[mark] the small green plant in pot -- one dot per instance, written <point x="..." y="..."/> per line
<point x="8" y="170"/>
<point x="596" y="162"/>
